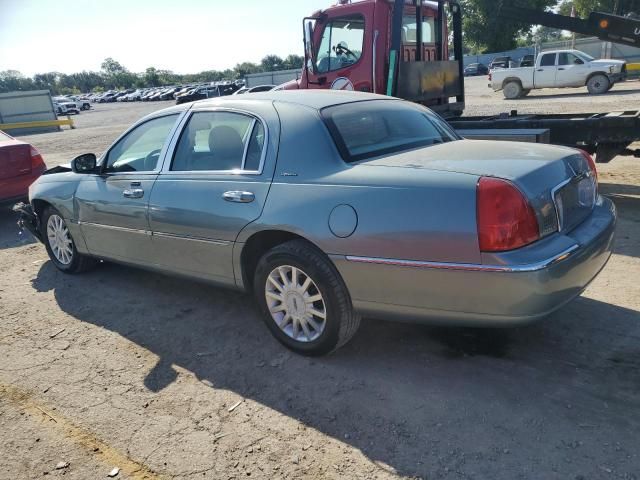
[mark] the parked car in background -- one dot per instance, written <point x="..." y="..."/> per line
<point x="81" y="103"/>
<point x="64" y="106"/>
<point x="20" y="165"/>
<point x="241" y="91"/>
<point x="198" y="93"/>
<point x="559" y="69"/>
<point x="500" y="62"/>
<point x="260" y="88"/>
<point x="475" y="69"/>
<point x="389" y="213"/>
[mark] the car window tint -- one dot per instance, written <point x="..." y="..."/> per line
<point x="341" y="44"/>
<point x="548" y="60"/>
<point x="367" y="129"/>
<point x="256" y="145"/>
<point x="566" y="58"/>
<point x="214" y="141"/>
<point x="140" y="149"/>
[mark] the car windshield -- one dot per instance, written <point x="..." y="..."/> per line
<point x="368" y="129"/>
<point x="585" y="56"/>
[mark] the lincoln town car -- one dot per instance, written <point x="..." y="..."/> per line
<point x="330" y="206"/>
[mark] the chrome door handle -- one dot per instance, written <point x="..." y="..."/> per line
<point x="133" y="193"/>
<point x="239" y="197"/>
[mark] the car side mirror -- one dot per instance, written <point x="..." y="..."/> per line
<point x="577" y="61"/>
<point x="85" y="163"/>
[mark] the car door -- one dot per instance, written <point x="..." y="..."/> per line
<point x="545" y="76"/>
<point x="215" y="183"/>
<point x="572" y="71"/>
<point x="112" y="206"/>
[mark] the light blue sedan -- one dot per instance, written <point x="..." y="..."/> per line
<point x="330" y="206"/>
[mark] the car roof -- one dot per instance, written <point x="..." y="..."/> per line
<point x="316" y="99"/>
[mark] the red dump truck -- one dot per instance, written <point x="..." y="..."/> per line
<point x="376" y="46"/>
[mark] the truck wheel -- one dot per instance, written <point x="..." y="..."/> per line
<point x="512" y="90"/>
<point x="303" y="299"/>
<point x="60" y="245"/>
<point x="525" y="93"/>
<point x="598" y="84"/>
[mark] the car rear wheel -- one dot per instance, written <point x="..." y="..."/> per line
<point x="60" y="245"/>
<point x="512" y="90"/>
<point x="598" y="84"/>
<point x="303" y="299"/>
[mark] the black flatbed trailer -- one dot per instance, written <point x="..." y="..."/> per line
<point x="604" y="134"/>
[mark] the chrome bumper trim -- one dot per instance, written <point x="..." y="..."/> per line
<point x="531" y="267"/>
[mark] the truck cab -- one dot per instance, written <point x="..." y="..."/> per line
<point x="376" y="46"/>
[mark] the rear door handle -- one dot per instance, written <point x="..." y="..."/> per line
<point x="239" y="197"/>
<point x="133" y="193"/>
<point x="561" y="68"/>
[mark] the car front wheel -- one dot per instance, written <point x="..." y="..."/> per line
<point x="60" y="245"/>
<point x="304" y="301"/>
<point x="598" y="84"/>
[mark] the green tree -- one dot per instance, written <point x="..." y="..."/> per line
<point x="271" y="63"/>
<point x="151" y="77"/>
<point x="485" y="30"/>
<point x="293" y="61"/>
<point x="585" y="7"/>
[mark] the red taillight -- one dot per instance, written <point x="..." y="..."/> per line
<point x="505" y="219"/>
<point x="591" y="162"/>
<point x="489" y="76"/>
<point x="36" y="159"/>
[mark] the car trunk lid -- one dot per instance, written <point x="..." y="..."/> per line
<point x="557" y="181"/>
<point x="15" y="157"/>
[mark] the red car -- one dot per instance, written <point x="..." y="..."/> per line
<point x="20" y="165"/>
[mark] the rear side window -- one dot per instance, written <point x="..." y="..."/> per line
<point x="548" y="60"/>
<point x="220" y="141"/>
<point x="368" y="129"/>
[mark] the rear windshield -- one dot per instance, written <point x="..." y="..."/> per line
<point x="368" y="129"/>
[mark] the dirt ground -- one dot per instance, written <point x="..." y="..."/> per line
<point x="169" y="378"/>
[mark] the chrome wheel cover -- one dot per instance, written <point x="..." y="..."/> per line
<point x="295" y="303"/>
<point x="59" y="239"/>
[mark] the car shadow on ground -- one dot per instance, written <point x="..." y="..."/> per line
<point x="402" y="394"/>
<point x="10" y="234"/>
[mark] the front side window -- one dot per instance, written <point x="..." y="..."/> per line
<point x="139" y="150"/>
<point x="368" y="129"/>
<point x="341" y="44"/>
<point x="410" y="32"/>
<point x="548" y="60"/>
<point x="219" y="141"/>
<point x="566" y="58"/>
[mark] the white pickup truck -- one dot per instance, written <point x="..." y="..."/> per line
<point x="558" y="69"/>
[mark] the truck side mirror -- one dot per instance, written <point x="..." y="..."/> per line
<point x="577" y="61"/>
<point x="310" y="63"/>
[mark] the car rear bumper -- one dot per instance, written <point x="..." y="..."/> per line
<point x="515" y="288"/>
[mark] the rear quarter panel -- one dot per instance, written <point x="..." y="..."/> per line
<point x="524" y="74"/>
<point x="401" y="213"/>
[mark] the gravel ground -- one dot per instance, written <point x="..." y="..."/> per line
<point x="169" y="378"/>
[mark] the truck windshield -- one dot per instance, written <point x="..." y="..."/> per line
<point x="371" y="128"/>
<point x="341" y="44"/>
<point x="586" y="57"/>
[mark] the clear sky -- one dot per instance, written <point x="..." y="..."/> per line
<point x="186" y="36"/>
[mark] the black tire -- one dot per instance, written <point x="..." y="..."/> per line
<point x="598" y="84"/>
<point x="79" y="263"/>
<point x="341" y="322"/>
<point x="512" y="90"/>
<point x="525" y="93"/>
